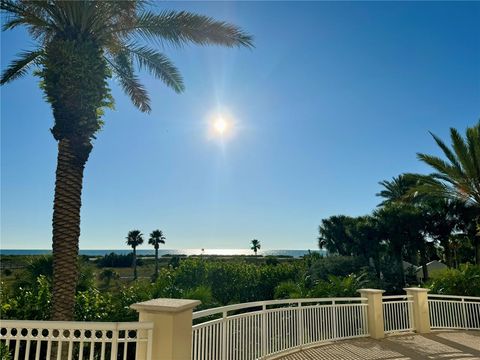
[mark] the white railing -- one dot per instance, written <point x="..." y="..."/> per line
<point x="65" y="340"/>
<point x="265" y="328"/>
<point x="397" y="313"/>
<point x="454" y="312"/>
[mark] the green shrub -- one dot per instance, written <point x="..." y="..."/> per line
<point x="337" y="286"/>
<point x="288" y="290"/>
<point x="32" y="303"/>
<point x="4" y="353"/>
<point x="323" y="267"/>
<point x="118" y="260"/>
<point x="463" y="281"/>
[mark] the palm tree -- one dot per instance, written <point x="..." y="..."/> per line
<point x="79" y="46"/>
<point x="255" y="245"/>
<point x="134" y="238"/>
<point x="458" y="177"/>
<point x="156" y="238"/>
<point x="396" y="189"/>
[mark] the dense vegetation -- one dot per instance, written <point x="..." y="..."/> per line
<point x="102" y="295"/>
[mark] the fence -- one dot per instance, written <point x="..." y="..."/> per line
<point x="259" y="329"/>
<point x="454" y="312"/>
<point x="397" y="313"/>
<point x="238" y="332"/>
<point x="63" y="340"/>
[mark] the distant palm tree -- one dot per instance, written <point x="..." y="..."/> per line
<point x="78" y="46"/>
<point x="395" y="190"/>
<point x="156" y="238"/>
<point x="255" y="245"/>
<point x="458" y="177"/>
<point x="134" y="239"/>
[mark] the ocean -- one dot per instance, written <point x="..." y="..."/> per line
<point x="188" y="252"/>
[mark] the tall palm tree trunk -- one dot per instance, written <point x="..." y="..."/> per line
<point x="66" y="229"/>
<point x="134" y="263"/>
<point x="156" y="262"/>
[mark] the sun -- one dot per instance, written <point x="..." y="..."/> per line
<point x="220" y="125"/>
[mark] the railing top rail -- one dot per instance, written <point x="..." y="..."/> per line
<point x="77" y="325"/>
<point x="454" y="297"/>
<point x="388" y="297"/>
<point x="228" y="308"/>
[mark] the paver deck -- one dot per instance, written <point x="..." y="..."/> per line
<point x="458" y="345"/>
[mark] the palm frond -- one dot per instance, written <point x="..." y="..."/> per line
<point x="20" y="66"/>
<point x="446" y="150"/>
<point x="441" y="166"/>
<point x="158" y="65"/>
<point x="462" y="151"/>
<point x="181" y="27"/>
<point x="22" y="13"/>
<point x="473" y="143"/>
<point x="121" y="65"/>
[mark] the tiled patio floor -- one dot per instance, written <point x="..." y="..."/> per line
<point x="458" y="345"/>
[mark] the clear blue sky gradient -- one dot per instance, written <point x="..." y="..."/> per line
<point x="334" y="98"/>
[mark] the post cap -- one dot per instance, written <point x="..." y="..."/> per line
<point x="371" y="291"/>
<point x="416" y="289"/>
<point x="165" y="305"/>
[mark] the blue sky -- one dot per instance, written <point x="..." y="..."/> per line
<point x="334" y="98"/>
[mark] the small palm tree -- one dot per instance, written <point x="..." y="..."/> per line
<point x="79" y="46"/>
<point x="134" y="239"/>
<point x="255" y="245"/>
<point x="458" y="177"/>
<point x="156" y="238"/>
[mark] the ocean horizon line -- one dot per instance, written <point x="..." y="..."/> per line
<point x="162" y="252"/>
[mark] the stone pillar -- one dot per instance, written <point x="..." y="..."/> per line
<point x="374" y="312"/>
<point x="172" y="328"/>
<point x="421" y="315"/>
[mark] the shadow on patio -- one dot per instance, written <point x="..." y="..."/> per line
<point x="437" y="345"/>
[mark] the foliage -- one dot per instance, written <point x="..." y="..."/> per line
<point x="337" y="286"/>
<point x="202" y="293"/>
<point x="336" y="265"/>
<point x="288" y="290"/>
<point x="462" y="281"/>
<point x="93" y="305"/>
<point x="32" y="303"/>
<point x="156" y="237"/>
<point x="4" y="353"/>
<point x="457" y="177"/>
<point x="117" y="260"/>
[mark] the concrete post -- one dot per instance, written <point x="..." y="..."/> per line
<point x="421" y="315"/>
<point x="374" y="312"/>
<point x="172" y="328"/>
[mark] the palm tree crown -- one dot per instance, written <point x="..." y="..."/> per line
<point x="156" y="238"/>
<point x="119" y="29"/>
<point x="255" y="245"/>
<point x="458" y="177"/>
<point x="396" y="189"/>
<point x="134" y="238"/>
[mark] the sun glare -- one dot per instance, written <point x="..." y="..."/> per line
<point x="220" y="125"/>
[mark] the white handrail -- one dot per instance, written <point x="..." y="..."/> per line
<point x="454" y="312"/>
<point x="234" y="307"/>
<point x="475" y="298"/>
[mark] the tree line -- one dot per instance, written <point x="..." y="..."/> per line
<point x="421" y="217"/>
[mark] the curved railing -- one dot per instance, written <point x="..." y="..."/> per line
<point x="454" y="312"/>
<point x="262" y="329"/>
